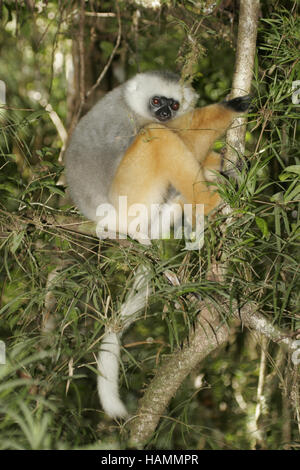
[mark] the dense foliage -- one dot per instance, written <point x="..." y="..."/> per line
<point x="48" y="395"/>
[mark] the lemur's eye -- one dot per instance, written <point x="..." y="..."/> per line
<point x="175" y="106"/>
<point x="155" y="101"/>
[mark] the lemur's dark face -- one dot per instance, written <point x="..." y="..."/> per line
<point x="163" y="108"/>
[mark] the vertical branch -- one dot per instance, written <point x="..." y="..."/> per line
<point x="114" y="51"/>
<point x="245" y="54"/>
<point x="81" y="55"/>
<point x="83" y="93"/>
<point x="81" y="77"/>
<point x="261" y="398"/>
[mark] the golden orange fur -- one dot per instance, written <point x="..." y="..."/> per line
<point x="176" y="153"/>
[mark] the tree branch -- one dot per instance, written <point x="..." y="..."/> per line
<point x="242" y="77"/>
<point x="207" y="336"/>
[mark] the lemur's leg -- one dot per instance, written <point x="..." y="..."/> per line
<point x="212" y="162"/>
<point x="118" y="221"/>
<point x="157" y="158"/>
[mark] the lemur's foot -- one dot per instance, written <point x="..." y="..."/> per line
<point x="240" y="104"/>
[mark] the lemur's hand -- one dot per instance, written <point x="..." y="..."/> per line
<point x="239" y="104"/>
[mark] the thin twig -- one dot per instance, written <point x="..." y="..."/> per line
<point x="116" y="47"/>
<point x="100" y="15"/>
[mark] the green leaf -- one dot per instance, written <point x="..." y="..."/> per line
<point x="107" y="48"/>
<point x="55" y="189"/>
<point x="277" y="197"/>
<point x="263" y="226"/>
<point x="16" y="241"/>
<point x="35" y="115"/>
<point x="290" y="195"/>
<point x="293" y="169"/>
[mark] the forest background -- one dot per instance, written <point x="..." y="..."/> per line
<point x="57" y="58"/>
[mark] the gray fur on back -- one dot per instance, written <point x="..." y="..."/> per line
<point x="96" y="148"/>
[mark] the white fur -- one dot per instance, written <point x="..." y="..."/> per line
<point x="144" y="86"/>
<point x="108" y="366"/>
<point x="109" y="355"/>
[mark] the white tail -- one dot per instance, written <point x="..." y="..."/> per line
<point x="109" y="355"/>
